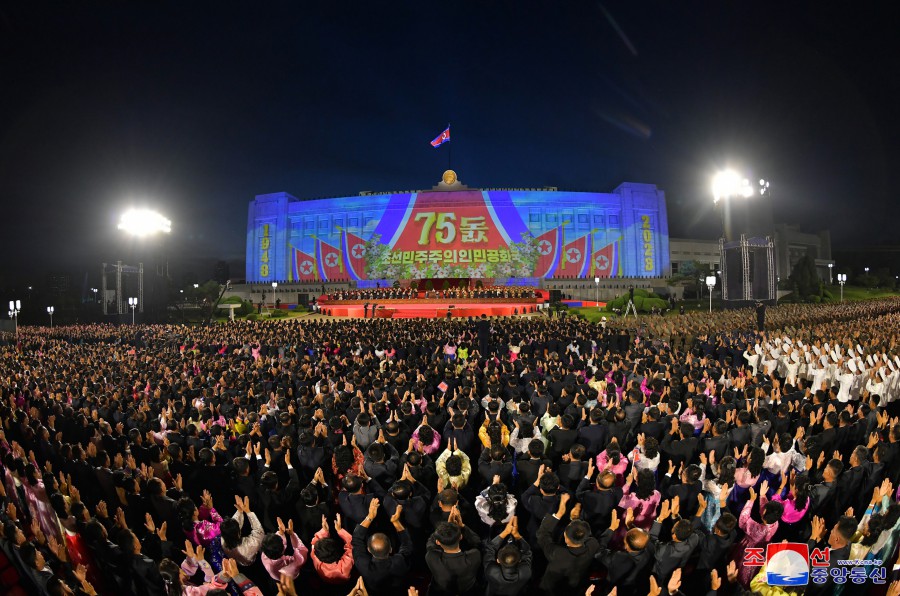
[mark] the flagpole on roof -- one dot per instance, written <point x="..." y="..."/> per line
<point x="450" y="151"/>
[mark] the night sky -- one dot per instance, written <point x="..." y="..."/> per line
<point x="196" y="107"/>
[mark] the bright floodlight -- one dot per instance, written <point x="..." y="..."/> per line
<point x="729" y="183"/>
<point x="711" y="281"/>
<point x="144" y="222"/>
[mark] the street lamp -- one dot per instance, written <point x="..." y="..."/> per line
<point x="842" y="279"/>
<point x="597" y="295"/>
<point x="274" y="293"/>
<point x="15" y="307"/>
<point x="95" y="290"/>
<point x="50" y="310"/>
<point x="710" y="283"/>
<point x="763" y="187"/>
<point x="830" y="279"/>
<point x="132" y="303"/>
<point x="866" y="269"/>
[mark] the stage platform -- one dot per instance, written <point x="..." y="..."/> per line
<point x="431" y="308"/>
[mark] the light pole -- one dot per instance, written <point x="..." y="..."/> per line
<point x="830" y="278"/>
<point x="842" y="279"/>
<point x="710" y="283"/>
<point x="132" y="303"/>
<point x="597" y="295"/>
<point x="50" y="310"/>
<point x="95" y="290"/>
<point x="274" y="293"/>
<point x="15" y="307"/>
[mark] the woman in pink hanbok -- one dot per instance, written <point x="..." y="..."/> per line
<point x="201" y="526"/>
<point x="756" y="534"/>
<point x="643" y="500"/>
<point x="613" y="460"/>
<point x="38" y="500"/>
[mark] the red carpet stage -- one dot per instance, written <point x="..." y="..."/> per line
<point x="431" y="308"/>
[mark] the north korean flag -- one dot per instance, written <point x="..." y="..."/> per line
<point x="330" y="261"/>
<point x="355" y="249"/>
<point x="442" y="138"/>
<point x="606" y="260"/>
<point x="304" y="267"/>
<point x="575" y="257"/>
<point x="548" y="253"/>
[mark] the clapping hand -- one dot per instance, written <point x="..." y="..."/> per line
<point x="395" y="519"/>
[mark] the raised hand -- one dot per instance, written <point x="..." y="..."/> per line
<point x="395" y="519"/>
<point x="715" y="582"/>
<point x="655" y="590"/>
<point x="732" y="572"/>
<point x="675" y="581"/>
<point x="664" y="511"/>
<point x="701" y="502"/>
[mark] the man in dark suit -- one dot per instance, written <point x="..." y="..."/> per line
<point x="495" y="462"/>
<point x="593" y="436"/>
<point x="686" y="489"/>
<point x="838" y="541"/>
<point x="507" y="562"/>
<point x="669" y="556"/>
<point x="598" y="505"/>
<point x="383" y="571"/>
<point x="680" y="444"/>
<point x="355" y="497"/>
<point x="821" y="495"/>
<point x="540" y="500"/>
<point x="624" y="567"/>
<point x="740" y="435"/>
<point x="568" y="564"/>
<point x="848" y="491"/>
<point x="529" y="467"/>
<point x="716" y="441"/>
<point x="651" y="426"/>
<point x="483" y="329"/>
<point x="573" y="468"/>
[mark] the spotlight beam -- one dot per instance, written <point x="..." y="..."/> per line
<point x="144" y="222"/>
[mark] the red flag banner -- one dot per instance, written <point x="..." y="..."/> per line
<point x="442" y="138"/>
<point x="303" y="266"/>
<point x="355" y="250"/>
<point x="576" y="257"/>
<point x="606" y="260"/>
<point x="548" y="253"/>
<point x="330" y="261"/>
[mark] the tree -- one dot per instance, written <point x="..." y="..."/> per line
<point x="806" y="278"/>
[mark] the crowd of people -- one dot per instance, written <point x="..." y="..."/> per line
<point x="494" y="456"/>
<point x="410" y="293"/>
